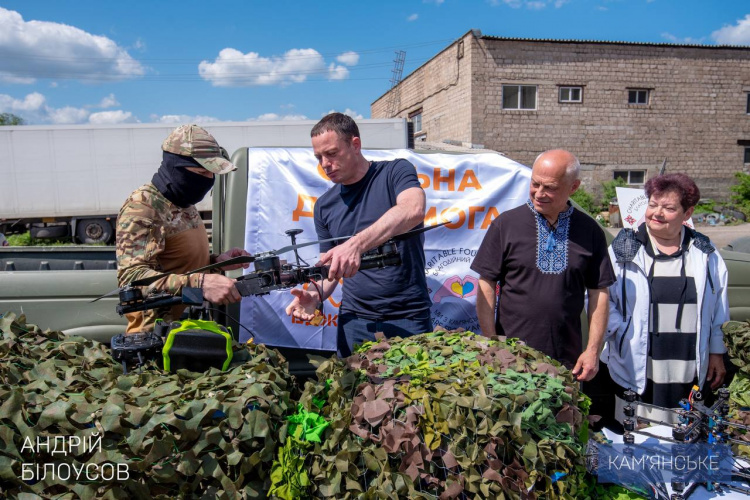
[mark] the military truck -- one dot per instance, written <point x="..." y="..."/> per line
<point x="54" y="286"/>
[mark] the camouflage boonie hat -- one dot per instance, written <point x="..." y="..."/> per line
<point x="196" y="142"/>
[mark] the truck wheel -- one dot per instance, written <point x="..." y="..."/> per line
<point x="93" y="231"/>
<point x="50" y="232"/>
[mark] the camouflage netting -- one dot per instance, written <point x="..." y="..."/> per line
<point x="184" y="435"/>
<point x="737" y="340"/>
<point x="439" y="415"/>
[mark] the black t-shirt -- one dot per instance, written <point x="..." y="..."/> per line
<point x="543" y="275"/>
<point x="390" y="292"/>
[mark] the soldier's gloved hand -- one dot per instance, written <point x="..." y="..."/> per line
<point x="218" y="289"/>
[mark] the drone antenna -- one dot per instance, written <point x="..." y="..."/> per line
<point x="292" y="233"/>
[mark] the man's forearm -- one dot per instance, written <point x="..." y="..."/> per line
<point x="400" y="218"/>
<point x="325" y="288"/>
<point x="598" y="310"/>
<point x="486" y="300"/>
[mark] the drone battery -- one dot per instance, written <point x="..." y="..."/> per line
<point x="197" y="345"/>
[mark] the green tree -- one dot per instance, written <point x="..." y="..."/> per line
<point x="741" y="190"/>
<point x="609" y="191"/>
<point x="586" y="201"/>
<point x="10" y="119"/>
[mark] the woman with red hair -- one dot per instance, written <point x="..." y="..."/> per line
<point x="668" y="304"/>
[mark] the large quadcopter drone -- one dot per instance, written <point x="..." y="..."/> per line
<point x="270" y="273"/>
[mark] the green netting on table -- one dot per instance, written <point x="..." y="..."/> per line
<point x="737" y="340"/>
<point x="440" y="415"/>
<point x="181" y="435"/>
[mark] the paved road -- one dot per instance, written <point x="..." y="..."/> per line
<point x="720" y="235"/>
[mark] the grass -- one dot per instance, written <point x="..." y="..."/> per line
<point x="24" y="240"/>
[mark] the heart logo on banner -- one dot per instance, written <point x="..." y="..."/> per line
<point x="462" y="289"/>
<point x="455" y="286"/>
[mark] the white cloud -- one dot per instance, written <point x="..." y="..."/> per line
<point x="684" y="40"/>
<point x="529" y="4"/>
<point x="601" y="8"/>
<point x="232" y="68"/>
<point x="348" y="112"/>
<point x="109" y="117"/>
<point x="436" y="2"/>
<point x="34" y="110"/>
<point x="179" y="119"/>
<point x="42" y="49"/>
<point x="108" y="102"/>
<point x="349" y="58"/>
<point x="412" y="17"/>
<point x="272" y="117"/>
<point x="67" y="115"/>
<point x="31" y="103"/>
<point x="336" y="72"/>
<point x="739" y="34"/>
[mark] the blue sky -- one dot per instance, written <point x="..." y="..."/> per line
<point x="73" y="62"/>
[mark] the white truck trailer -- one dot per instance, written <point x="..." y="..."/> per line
<point x="60" y="181"/>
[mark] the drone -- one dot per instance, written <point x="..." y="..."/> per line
<point x="697" y="423"/>
<point x="269" y="273"/>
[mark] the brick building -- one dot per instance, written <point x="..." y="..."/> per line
<point x="622" y="108"/>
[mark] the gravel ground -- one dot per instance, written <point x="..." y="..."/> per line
<point x="720" y="235"/>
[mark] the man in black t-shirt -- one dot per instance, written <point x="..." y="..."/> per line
<point x="546" y="255"/>
<point x="373" y="201"/>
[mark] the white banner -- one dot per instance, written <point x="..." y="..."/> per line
<point x="470" y="190"/>
<point x="633" y="204"/>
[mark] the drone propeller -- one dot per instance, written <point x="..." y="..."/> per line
<point x="108" y="294"/>
<point x="243" y="259"/>
<point x="414" y="232"/>
<point x="399" y="237"/>
<point x="141" y="282"/>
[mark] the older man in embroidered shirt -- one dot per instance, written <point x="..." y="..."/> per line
<point x="546" y="255"/>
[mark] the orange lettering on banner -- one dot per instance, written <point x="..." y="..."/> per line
<point x="469" y="180"/>
<point x="430" y="217"/>
<point x="302" y="200"/>
<point x="450" y="213"/>
<point x="329" y="320"/>
<point x="492" y="214"/>
<point x="439" y="179"/>
<point x="456" y="217"/>
<point x="472" y="212"/>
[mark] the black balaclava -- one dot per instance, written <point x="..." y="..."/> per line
<point x="178" y="184"/>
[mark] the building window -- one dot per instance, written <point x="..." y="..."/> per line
<point x="631" y="177"/>
<point x="416" y="119"/>
<point x="519" y="96"/>
<point x="638" y="96"/>
<point x="747" y="155"/>
<point x="571" y="94"/>
<point x="747" y="107"/>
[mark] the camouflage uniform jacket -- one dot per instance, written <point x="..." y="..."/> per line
<point x="155" y="236"/>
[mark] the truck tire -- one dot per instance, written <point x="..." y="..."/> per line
<point x="50" y="232"/>
<point x="93" y="231"/>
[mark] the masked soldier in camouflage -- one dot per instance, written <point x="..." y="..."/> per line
<point x="159" y="230"/>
